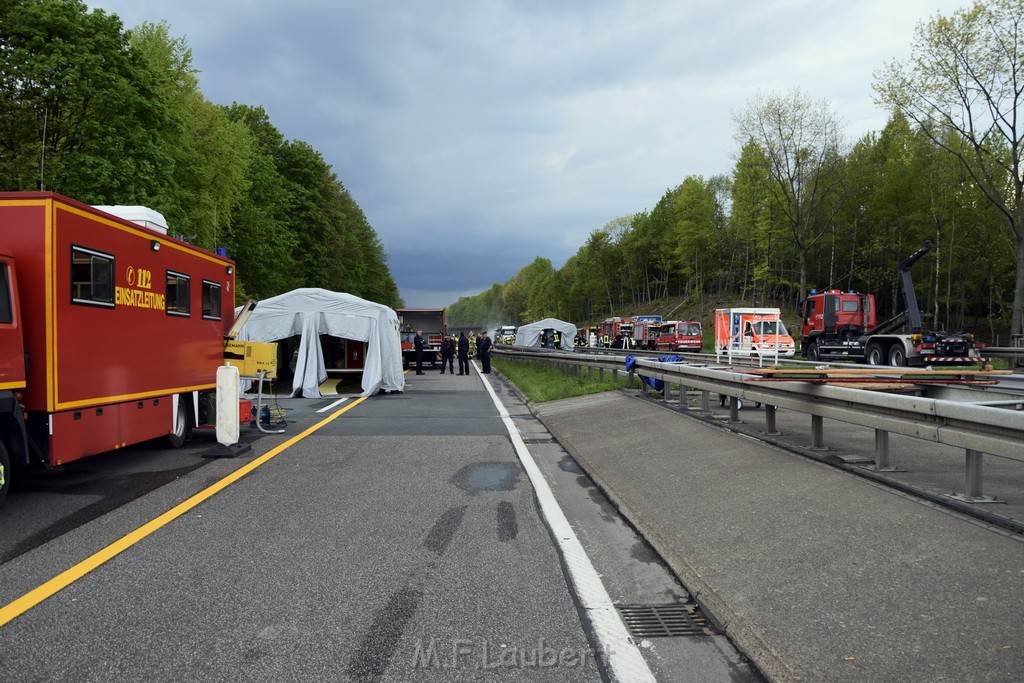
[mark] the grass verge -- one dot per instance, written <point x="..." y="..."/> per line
<point x="542" y="383"/>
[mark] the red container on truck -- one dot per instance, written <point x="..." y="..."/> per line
<point x="110" y="331"/>
<point x="432" y="322"/>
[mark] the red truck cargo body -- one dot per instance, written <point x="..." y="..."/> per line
<point x="432" y="322"/>
<point x="106" y="360"/>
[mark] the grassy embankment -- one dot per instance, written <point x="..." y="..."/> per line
<point x="542" y="383"/>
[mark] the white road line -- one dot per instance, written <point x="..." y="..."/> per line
<point x="333" y="405"/>
<point x="621" y="653"/>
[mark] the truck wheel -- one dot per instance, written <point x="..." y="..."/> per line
<point x="181" y="427"/>
<point x="875" y="354"/>
<point x="897" y="356"/>
<point x="5" y="472"/>
<point x="811" y="352"/>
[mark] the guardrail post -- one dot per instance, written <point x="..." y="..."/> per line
<point x="973" y="470"/>
<point x="882" y="460"/>
<point x="973" y="480"/>
<point x="734" y="409"/>
<point x="705" y="401"/>
<point x="600" y="374"/>
<point x="818" y="433"/>
<point x="769" y="420"/>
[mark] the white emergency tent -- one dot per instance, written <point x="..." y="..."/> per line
<point x="530" y="335"/>
<point x="310" y="312"/>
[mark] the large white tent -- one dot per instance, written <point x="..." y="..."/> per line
<point x="310" y="312"/>
<point x="530" y="335"/>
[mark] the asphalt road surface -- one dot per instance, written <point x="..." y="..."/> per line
<point x="388" y="539"/>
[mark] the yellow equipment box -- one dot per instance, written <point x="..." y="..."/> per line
<point x="250" y="357"/>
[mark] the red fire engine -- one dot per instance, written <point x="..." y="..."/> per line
<point x="110" y="331"/>
<point x="616" y="333"/>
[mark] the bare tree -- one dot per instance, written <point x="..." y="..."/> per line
<point x="966" y="75"/>
<point x="801" y="140"/>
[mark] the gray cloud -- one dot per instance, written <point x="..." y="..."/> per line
<point x="478" y="135"/>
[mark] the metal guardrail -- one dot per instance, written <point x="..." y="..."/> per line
<point x="978" y="429"/>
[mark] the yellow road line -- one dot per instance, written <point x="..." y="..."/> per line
<point x="66" y="578"/>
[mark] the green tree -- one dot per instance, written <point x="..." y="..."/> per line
<point x="964" y="75"/>
<point x="83" y="112"/>
<point x="260" y="237"/>
<point x="210" y="153"/>
<point x="801" y="141"/>
<point x="761" y="250"/>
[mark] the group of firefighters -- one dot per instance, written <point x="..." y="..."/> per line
<point x="463" y="346"/>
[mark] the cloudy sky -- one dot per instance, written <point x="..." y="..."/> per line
<point x="480" y="134"/>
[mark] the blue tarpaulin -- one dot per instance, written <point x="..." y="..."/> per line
<point x="655" y="384"/>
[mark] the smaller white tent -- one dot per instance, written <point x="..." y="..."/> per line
<point x="310" y="312"/>
<point x="530" y="335"/>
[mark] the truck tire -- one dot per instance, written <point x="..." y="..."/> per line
<point x="897" y="356"/>
<point x="875" y="354"/>
<point x="181" y="426"/>
<point x="811" y="352"/>
<point x="5" y="472"/>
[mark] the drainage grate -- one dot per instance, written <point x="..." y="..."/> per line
<point x="541" y="439"/>
<point x="658" y="621"/>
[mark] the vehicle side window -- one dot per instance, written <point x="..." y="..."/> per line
<point x="851" y="306"/>
<point x="178" y="294"/>
<point x="6" y="309"/>
<point x="92" y="277"/>
<point x="211" y="300"/>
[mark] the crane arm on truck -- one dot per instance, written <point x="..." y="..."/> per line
<point x="907" y="285"/>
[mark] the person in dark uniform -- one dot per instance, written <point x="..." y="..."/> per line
<point x="418" y="343"/>
<point x="483" y="346"/>
<point x="463" y="354"/>
<point x="448" y="355"/>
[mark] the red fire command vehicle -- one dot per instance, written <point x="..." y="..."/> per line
<point x="110" y="331"/>
<point x="680" y="335"/>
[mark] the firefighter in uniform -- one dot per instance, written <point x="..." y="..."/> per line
<point x="463" y="354"/>
<point x="418" y="343"/>
<point x="448" y="355"/>
<point x="483" y="345"/>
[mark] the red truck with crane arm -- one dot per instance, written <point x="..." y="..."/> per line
<point x="842" y="326"/>
<point x="111" y="332"/>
